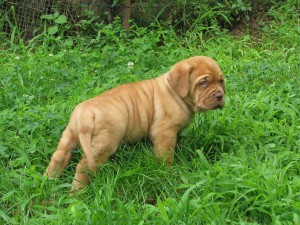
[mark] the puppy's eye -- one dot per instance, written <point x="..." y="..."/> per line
<point x="222" y="81"/>
<point x="203" y="83"/>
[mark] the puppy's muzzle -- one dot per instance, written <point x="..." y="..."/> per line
<point x="219" y="96"/>
<point x="219" y="99"/>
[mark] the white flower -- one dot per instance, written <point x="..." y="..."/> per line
<point x="50" y="54"/>
<point x="130" y="65"/>
<point x="17" y="57"/>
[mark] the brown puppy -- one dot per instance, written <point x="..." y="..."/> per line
<point x="158" y="108"/>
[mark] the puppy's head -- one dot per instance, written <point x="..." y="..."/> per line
<point x="199" y="81"/>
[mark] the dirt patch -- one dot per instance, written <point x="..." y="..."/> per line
<point x="252" y="25"/>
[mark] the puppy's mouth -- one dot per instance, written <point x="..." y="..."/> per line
<point x="211" y="104"/>
<point x="204" y="107"/>
<point x="218" y="107"/>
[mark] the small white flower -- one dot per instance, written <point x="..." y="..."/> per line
<point x="130" y="65"/>
<point x="28" y="97"/>
<point x="50" y="54"/>
<point x="17" y="57"/>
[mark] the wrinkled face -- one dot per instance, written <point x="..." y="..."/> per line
<point x="199" y="81"/>
<point x="207" y="87"/>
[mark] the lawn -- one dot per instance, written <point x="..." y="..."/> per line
<point x="238" y="165"/>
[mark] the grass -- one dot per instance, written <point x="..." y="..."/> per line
<point x="239" y="165"/>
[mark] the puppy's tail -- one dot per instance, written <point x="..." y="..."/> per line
<point x="86" y="128"/>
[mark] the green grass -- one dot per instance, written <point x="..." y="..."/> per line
<point x="239" y="165"/>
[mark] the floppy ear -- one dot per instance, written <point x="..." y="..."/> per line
<point x="178" y="78"/>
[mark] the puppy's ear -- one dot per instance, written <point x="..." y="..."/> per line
<point x="179" y="78"/>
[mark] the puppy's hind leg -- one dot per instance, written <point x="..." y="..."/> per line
<point x="61" y="157"/>
<point x="100" y="149"/>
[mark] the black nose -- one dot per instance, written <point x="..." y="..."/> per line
<point x="219" y="96"/>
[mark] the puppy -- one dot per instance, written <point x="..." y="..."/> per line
<point x="157" y="108"/>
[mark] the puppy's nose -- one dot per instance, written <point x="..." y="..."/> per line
<point x="219" y="96"/>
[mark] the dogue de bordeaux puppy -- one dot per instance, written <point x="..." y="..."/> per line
<point x="156" y="108"/>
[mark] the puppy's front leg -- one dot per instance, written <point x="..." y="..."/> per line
<point x="164" y="142"/>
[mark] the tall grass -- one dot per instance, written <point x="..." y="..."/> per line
<point x="239" y="165"/>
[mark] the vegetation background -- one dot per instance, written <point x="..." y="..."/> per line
<point x="239" y="165"/>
